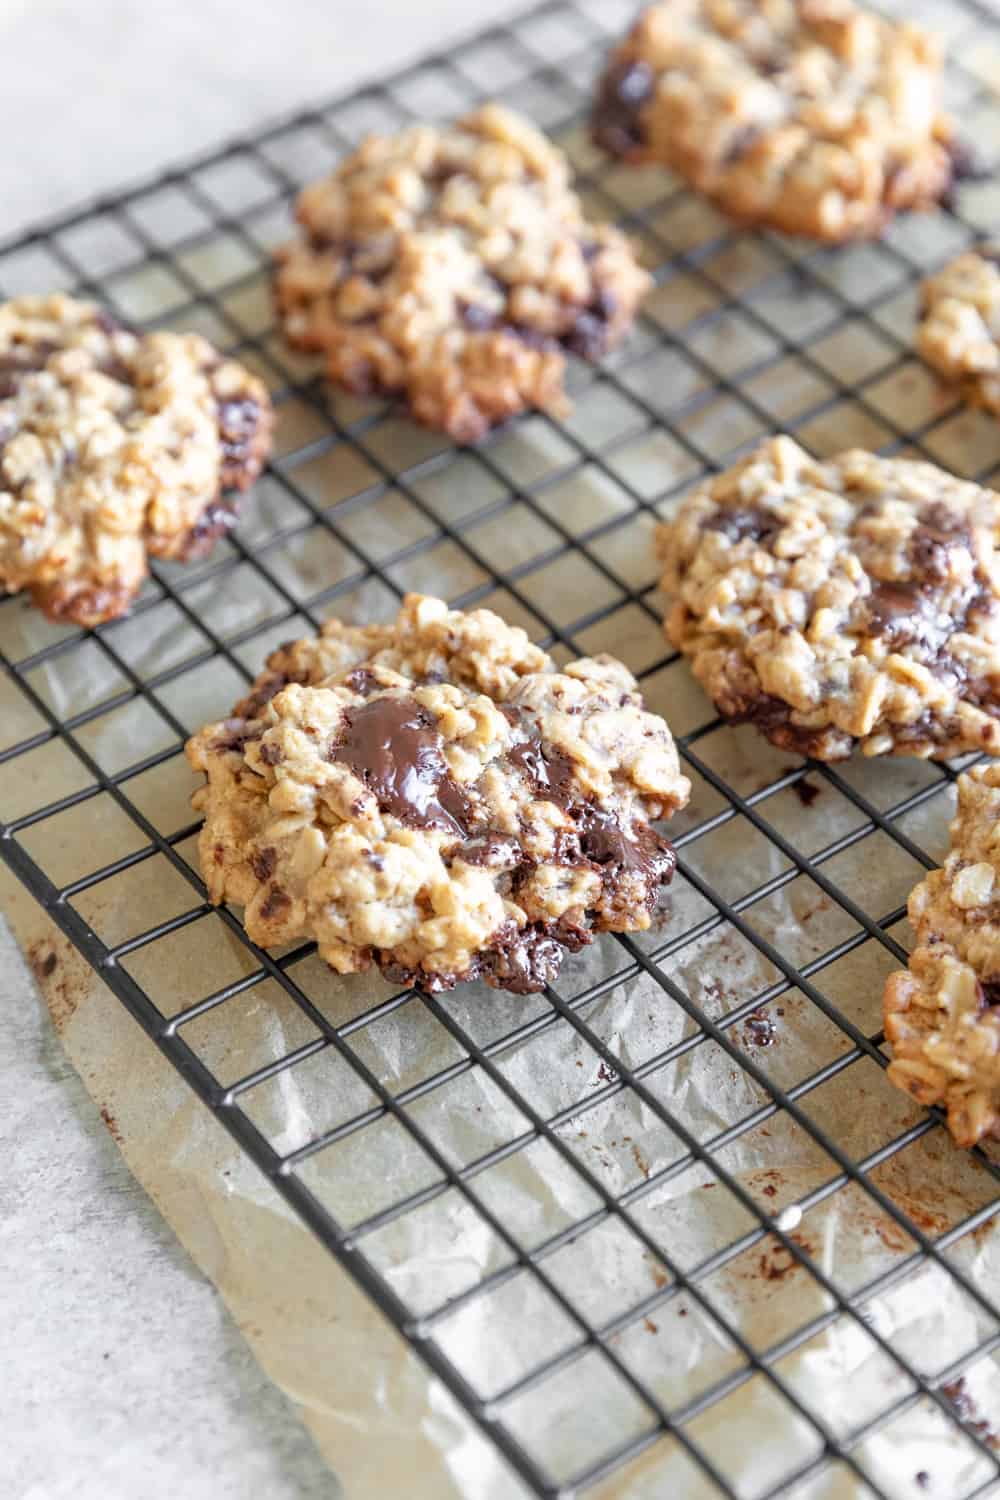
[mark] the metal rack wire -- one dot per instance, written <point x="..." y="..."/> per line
<point x="233" y="199"/>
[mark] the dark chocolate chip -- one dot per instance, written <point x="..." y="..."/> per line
<point x="22" y="360"/>
<point x="588" y="337"/>
<point x="271" y="755"/>
<point x="751" y="523"/>
<point x="236" y="733"/>
<point x="393" y="746"/>
<point x="617" y="124"/>
<point x="476" y="318"/>
<point x="740" y="143"/>
<point x="215" y="520"/>
<point x="968" y="163"/>
<point x="361" y="681"/>
<point x="275" y="902"/>
<point x="263" y="863"/>
<point x="239" y="421"/>
<point x="990" y="993"/>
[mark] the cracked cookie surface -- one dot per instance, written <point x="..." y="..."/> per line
<point x="432" y="797"/>
<point x="841" y="604"/>
<point x="453" y="266"/>
<point x="942" y="1014"/>
<point x="114" y="447"/>
<point x="959" y="328"/>
<point x="814" y="117"/>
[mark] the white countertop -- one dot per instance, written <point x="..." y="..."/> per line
<point x="123" y="1374"/>
<point x="98" y="95"/>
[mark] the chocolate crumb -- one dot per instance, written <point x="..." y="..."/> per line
<point x="759" y="1029"/>
<point x="807" y="792"/>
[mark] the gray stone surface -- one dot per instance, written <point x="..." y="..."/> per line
<point x="99" y="94"/>
<point x="124" y="1375"/>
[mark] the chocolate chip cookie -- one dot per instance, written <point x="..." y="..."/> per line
<point x="114" y="447"/>
<point x="814" y="117"/>
<point x="433" y="797"/>
<point x="453" y="266"/>
<point x="959" y="330"/>
<point x="942" y="1015"/>
<point x="846" y="603"/>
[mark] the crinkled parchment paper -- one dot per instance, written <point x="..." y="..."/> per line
<point x="386" y="1428"/>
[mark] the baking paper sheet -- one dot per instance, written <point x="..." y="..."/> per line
<point x="385" y="1426"/>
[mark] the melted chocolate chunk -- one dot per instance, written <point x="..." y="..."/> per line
<point x="494" y="849"/>
<point x="642" y="850"/>
<point x="250" y="706"/>
<point x="272" y="755"/>
<point x="751" y="523"/>
<point x="940" y="533"/>
<point x="624" y="89"/>
<point x="905" y="613"/>
<point x="549" y="770"/>
<point x="600" y="839"/>
<point x="772" y="716"/>
<point x="522" y="960"/>
<point x="393" y="746"/>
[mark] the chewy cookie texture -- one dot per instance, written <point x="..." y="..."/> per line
<point x="959" y="330"/>
<point x="849" y="603"/>
<point x="114" y="447"/>
<point x="432" y="797"/>
<point x="814" y="117"/>
<point x="942" y="1015"/>
<point x="453" y="266"/>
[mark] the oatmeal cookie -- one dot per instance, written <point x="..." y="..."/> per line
<point x="814" y="117"/>
<point x="113" y="447"/>
<point x="843" y="603"/>
<point x="942" y="1014"/>
<point x="454" y="266"/>
<point x="959" y="331"/>
<point x="434" y="798"/>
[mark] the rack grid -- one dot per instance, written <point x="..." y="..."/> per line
<point x="736" y="322"/>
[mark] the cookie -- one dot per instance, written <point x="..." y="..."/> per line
<point x="959" y="329"/>
<point x="814" y="117"/>
<point x="432" y="797"/>
<point x="114" y="447"/>
<point x="846" y="603"/>
<point x="942" y="1014"/>
<point x="453" y="266"/>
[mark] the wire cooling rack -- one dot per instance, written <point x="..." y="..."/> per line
<point x="744" y="334"/>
